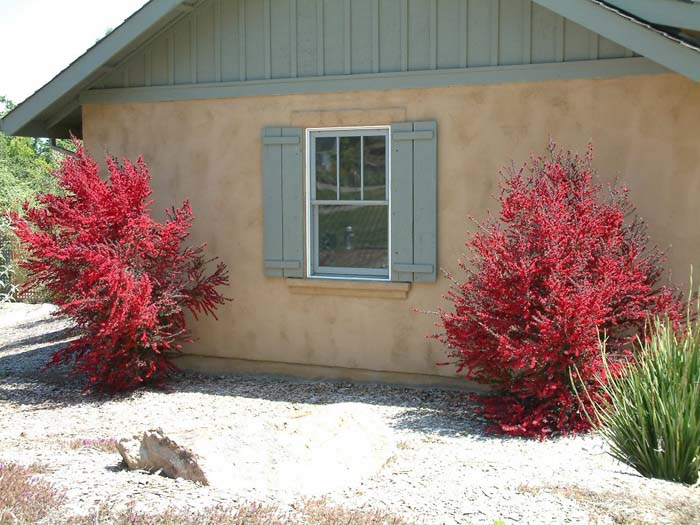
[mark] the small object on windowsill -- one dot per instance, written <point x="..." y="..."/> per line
<point x="348" y="237"/>
<point x="349" y="288"/>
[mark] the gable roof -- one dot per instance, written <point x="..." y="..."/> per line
<point x="670" y="13"/>
<point x="55" y="104"/>
<point x="647" y="27"/>
<point x="663" y="45"/>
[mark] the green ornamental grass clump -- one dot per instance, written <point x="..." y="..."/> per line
<point x="651" y="413"/>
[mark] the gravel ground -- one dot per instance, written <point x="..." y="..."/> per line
<point x="420" y="453"/>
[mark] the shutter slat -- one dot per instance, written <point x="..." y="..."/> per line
<point x="413" y="135"/>
<point x="414" y="268"/>
<point x="283" y="239"/>
<point x="281" y="140"/>
<point x="292" y="201"/>
<point x="284" y="265"/>
<point x="425" y="201"/>
<point x="414" y="201"/>
<point x="272" y="201"/>
<point x="401" y="202"/>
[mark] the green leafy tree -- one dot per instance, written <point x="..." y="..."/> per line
<point x="25" y="167"/>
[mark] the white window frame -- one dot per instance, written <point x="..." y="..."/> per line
<point x="311" y="232"/>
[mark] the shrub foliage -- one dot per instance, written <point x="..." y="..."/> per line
<point x="565" y="259"/>
<point x="124" y="279"/>
<point x="650" y="414"/>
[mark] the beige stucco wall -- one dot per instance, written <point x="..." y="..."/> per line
<point x="646" y="131"/>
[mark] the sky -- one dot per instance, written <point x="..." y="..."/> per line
<point x="39" y="38"/>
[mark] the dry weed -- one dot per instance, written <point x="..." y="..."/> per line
<point x="310" y="512"/>
<point x="25" y="498"/>
<point x="101" y="444"/>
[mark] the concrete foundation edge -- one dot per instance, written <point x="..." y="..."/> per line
<point x="224" y="365"/>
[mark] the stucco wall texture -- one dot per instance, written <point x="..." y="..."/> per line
<point x="645" y="131"/>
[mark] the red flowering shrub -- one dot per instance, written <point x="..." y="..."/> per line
<point x="123" y="278"/>
<point x="565" y="261"/>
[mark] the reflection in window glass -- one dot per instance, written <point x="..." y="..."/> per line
<point x="350" y="168"/>
<point x="353" y="236"/>
<point x="326" y="168"/>
<point x="349" y="203"/>
<point x="374" y="168"/>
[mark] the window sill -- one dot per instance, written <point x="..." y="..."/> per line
<point x="335" y="287"/>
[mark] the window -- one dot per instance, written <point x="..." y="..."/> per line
<point x="348" y="203"/>
<point x="370" y="206"/>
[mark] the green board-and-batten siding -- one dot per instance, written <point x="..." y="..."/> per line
<point x="224" y="41"/>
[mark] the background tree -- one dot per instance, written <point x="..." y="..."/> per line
<point x="25" y="167"/>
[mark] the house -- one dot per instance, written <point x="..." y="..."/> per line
<point x="333" y="149"/>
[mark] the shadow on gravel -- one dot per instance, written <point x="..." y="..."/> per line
<point x="431" y="411"/>
<point x="50" y="390"/>
<point x="28" y="363"/>
<point x="37" y="324"/>
<point x="428" y="410"/>
<point x="60" y="334"/>
<point x="24" y="379"/>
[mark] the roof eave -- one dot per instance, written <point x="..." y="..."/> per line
<point x="672" y="13"/>
<point x="28" y="117"/>
<point x="50" y="112"/>
<point x="634" y="34"/>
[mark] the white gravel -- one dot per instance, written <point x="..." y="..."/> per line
<point x="421" y="453"/>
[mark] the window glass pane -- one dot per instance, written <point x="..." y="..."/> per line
<point x="350" y="176"/>
<point x="375" y="168"/>
<point x="353" y="236"/>
<point x="326" y="174"/>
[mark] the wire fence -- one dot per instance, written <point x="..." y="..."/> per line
<point x="12" y="276"/>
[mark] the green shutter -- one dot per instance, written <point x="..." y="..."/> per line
<point x="414" y="201"/>
<point x="283" y="202"/>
